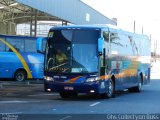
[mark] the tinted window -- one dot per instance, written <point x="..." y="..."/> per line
<point x="143" y="45"/>
<point x="86" y="37"/>
<point x="2" y="46"/>
<point x="116" y="43"/>
<point x="85" y="49"/>
<point x="122" y="44"/>
<point x="44" y="44"/>
<point x="30" y="45"/>
<point x="127" y="48"/>
<point x="106" y="41"/>
<point x="106" y="36"/>
<point x="79" y="48"/>
<point x="17" y="43"/>
<point x="133" y="45"/>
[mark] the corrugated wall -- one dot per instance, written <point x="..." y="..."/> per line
<point x="73" y="11"/>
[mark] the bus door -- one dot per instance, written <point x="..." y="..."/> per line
<point x="115" y="58"/>
<point x="102" y="63"/>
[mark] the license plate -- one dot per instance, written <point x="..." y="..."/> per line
<point x="68" y="88"/>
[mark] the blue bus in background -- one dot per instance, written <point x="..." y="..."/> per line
<point x="97" y="59"/>
<point x="19" y="58"/>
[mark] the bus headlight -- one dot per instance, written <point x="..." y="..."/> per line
<point x="48" y="78"/>
<point x="92" y="79"/>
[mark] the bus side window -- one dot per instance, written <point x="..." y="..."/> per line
<point x="2" y="46"/>
<point x="30" y="45"/>
<point x="10" y="50"/>
<point x="106" y="36"/>
<point x="17" y="43"/>
<point x="106" y="41"/>
<point x="116" y="44"/>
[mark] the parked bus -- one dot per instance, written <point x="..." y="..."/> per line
<point x="96" y="59"/>
<point x="19" y="58"/>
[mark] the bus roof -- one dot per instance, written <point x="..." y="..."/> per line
<point x="98" y="26"/>
<point x="78" y="27"/>
<point x="18" y="36"/>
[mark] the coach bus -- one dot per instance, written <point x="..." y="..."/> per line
<point x="98" y="59"/>
<point x="19" y="58"/>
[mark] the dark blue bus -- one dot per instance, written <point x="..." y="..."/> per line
<point x="95" y="59"/>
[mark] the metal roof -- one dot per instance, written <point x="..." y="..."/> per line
<point x="11" y="11"/>
<point x="74" y="11"/>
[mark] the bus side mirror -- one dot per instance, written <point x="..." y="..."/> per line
<point x="38" y="51"/>
<point x="100" y="45"/>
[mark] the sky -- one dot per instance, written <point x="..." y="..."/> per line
<point x="145" y="13"/>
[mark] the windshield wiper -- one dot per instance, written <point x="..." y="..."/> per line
<point x="58" y="66"/>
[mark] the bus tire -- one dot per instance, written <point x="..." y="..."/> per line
<point x="64" y="95"/>
<point x="138" y="88"/>
<point x="110" y="91"/>
<point x="20" y="75"/>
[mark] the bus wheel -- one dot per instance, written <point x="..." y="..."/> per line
<point x="110" y="91"/>
<point x="20" y="75"/>
<point x="64" y="95"/>
<point x="138" y="88"/>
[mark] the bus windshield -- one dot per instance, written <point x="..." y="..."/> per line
<point x="72" y="51"/>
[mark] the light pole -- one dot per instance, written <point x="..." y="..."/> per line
<point x="134" y="26"/>
<point x="142" y="30"/>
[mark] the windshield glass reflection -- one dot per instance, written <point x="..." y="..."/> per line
<point x="72" y="51"/>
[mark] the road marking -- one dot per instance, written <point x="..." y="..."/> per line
<point x="44" y="95"/>
<point x="14" y="101"/>
<point x="94" y="104"/>
<point x="64" y="118"/>
<point x="18" y="101"/>
<point x="11" y="113"/>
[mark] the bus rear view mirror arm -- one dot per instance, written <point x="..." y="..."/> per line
<point x="38" y="51"/>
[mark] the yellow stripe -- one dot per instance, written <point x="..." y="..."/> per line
<point x="29" y="75"/>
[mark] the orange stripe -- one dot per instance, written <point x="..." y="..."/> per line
<point x="123" y="74"/>
<point x="104" y="77"/>
<point x="73" y="79"/>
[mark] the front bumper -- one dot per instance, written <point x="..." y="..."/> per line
<point x="77" y="87"/>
